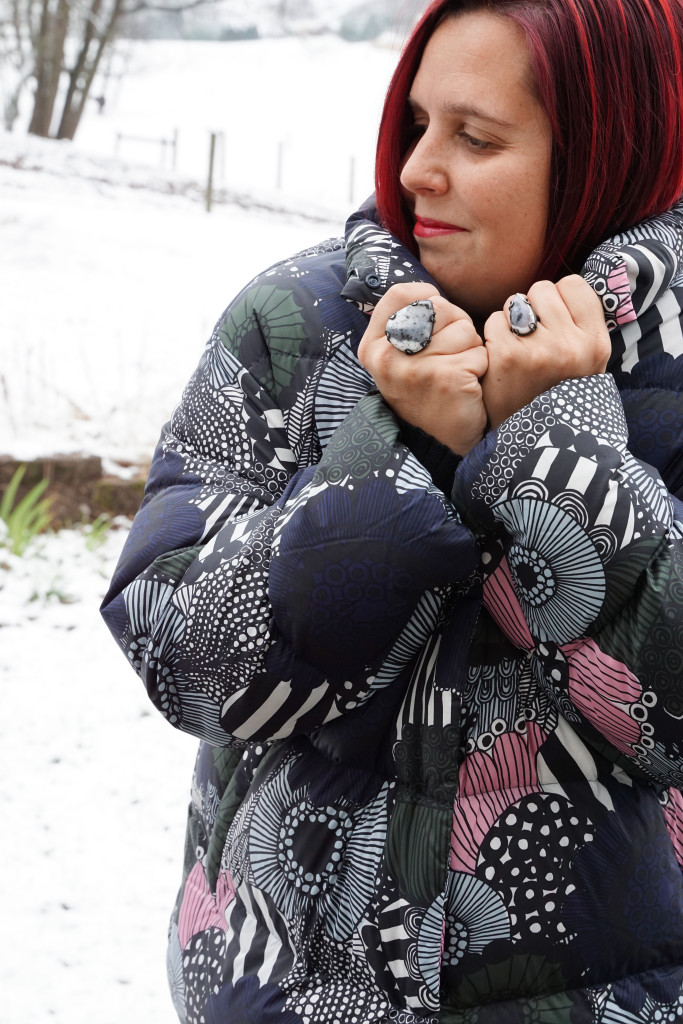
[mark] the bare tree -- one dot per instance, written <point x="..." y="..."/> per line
<point x="16" y="54"/>
<point x="48" y="51"/>
<point x="62" y="42"/>
<point x="98" y="33"/>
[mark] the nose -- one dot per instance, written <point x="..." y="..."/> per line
<point x="423" y="169"/>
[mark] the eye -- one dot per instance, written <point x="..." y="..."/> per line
<point x="472" y="143"/>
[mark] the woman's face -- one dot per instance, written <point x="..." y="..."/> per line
<point x="477" y="173"/>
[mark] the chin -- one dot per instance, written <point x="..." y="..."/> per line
<point x="477" y="304"/>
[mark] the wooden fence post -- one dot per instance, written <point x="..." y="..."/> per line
<point x="209" y="184"/>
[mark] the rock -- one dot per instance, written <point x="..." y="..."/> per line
<point x="77" y="487"/>
<point x="119" y="497"/>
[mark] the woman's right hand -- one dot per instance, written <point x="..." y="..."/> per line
<point x="438" y="389"/>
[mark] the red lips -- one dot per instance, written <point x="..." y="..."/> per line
<point x="425" y="227"/>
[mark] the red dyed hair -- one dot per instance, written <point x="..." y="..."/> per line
<point x="609" y="75"/>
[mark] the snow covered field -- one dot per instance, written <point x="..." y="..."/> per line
<point x="93" y="796"/>
<point x="109" y="294"/>
<point x="109" y="290"/>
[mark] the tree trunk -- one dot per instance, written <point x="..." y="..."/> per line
<point x="81" y="77"/>
<point x="78" y="74"/>
<point x="10" y="110"/>
<point x="49" y="57"/>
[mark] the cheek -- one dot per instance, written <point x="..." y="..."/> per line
<point x="537" y="189"/>
<point x="518" y="204"/>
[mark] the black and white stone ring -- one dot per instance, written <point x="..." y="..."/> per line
<point x="410" y="329"/>
<point x="523" y="320"/>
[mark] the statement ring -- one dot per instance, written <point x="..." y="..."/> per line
<point x="522" y="318"/>
<point x="410" y="329"/>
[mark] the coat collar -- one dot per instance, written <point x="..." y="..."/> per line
<point x="376" y="260"/>
<point x="629" y="272"/>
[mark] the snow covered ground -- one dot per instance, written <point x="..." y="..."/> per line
<point x="109" y="294"/>
<point x="110" y="287"/>
<point x="93" y="787"/>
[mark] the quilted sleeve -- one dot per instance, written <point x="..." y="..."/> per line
<point x="583" y="552"/>
<point x="265" y="590"/>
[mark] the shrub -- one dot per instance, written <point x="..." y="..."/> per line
<point x="25" y="518"/>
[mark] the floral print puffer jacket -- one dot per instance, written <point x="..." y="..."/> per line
<point x="440" y="700"/>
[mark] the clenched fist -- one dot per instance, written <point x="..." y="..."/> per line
<point x="438" y="389"/>
<point x="571" y="340"/>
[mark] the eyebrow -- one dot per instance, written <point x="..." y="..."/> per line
<point x="464" y="110"/>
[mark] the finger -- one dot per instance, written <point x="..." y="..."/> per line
<point x="402" y="295"/>
<point x="397" y="297"/>
<point x="497" y="328"/>
<point x="585" y="307"/>
<point x="411" y="329"/>
<point x="452" y="374"/>
<point x="476" y="361"/>
<point x="377" y="356"/>
<point x="456" y="336"/>
<point x="549" y="306"/>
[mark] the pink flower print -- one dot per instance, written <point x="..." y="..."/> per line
<point x="619" y="287"/>
<point x="500" y="600"/>
<point x="604" y="690"/>
<point x="199" y="908"/>
<point x="490" y="782"/>
<point x="673" y="815"/>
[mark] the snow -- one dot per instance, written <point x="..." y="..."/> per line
<point x="320" y="99"/>
<point x="111" y="285"/>
<point x="113" y="275"/>
<point x="93" y="798"/>
<point x="109" y="296"/>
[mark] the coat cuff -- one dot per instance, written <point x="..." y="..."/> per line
<point x="585" y="412"/>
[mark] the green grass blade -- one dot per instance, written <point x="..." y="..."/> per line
<point x="11" y="492"/>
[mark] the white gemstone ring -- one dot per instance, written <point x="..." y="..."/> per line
<point x="410" y="329"/>
<point x="523" y="320"/>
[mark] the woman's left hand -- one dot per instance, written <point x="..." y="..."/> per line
<point x="571" y="340"/>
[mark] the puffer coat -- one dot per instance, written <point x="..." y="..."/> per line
<point x="440" y="701"/>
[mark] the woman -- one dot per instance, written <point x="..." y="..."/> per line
<point x="424" y="610"/>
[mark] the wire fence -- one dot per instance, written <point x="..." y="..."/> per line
<point x="279" y="165"/>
